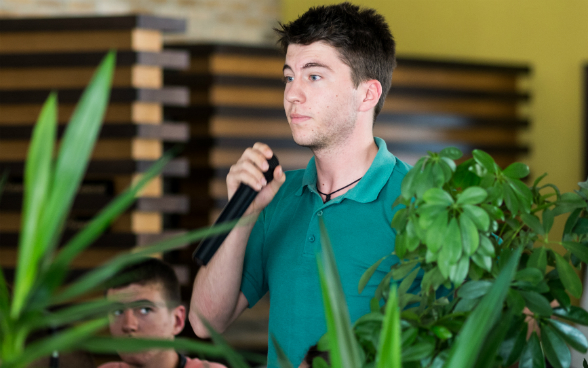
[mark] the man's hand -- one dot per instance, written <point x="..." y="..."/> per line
<point x="249" y="170"/>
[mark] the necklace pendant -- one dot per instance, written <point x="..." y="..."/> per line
<point x="328" y="198"/>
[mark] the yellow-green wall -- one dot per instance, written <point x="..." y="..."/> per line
<point x="551" y="36"/>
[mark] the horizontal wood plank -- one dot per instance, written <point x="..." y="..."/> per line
<point x="177" y="96"/>
<point x="105" y="149"/>
<point x="116" y="113"/>
<point x="77" y="41"/>
<point x="167" y="132"/>
<point x="129" y="222"/>
<point x="125" y="22"/>
<point x="166" y="59"/>
<point x="175" y="168"/>
<point x="92" y="203"/>
<point x="137" y="76"/>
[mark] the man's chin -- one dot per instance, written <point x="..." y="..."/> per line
<point x="137" y="359"/>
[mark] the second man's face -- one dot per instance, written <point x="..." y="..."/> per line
<point x="320" y="99"/>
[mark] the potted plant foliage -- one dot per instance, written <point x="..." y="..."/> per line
<point x="493" y="288"/>
<point x="39" y="299"/>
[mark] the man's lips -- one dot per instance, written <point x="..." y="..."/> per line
<point x="297" y="118"/>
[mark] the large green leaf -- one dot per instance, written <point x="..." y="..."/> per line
<point x="571" y="335"/>
<point x="516" y="170"/>
<point x="512" y="347"/>
<point x="477" y="215"/>
<point x="485" y="160"/>
<point x="555" y="349"/>
<point x="580" y="250"/>
<point x="389" y="353"/>
<point x="76" y="147"/>
<point x="452" y="249"/>
<point x="568" y="276"/>
<point x="537" y="303"/>
<point x="472" y="195"/>
<point x="344" y="349"/>
<point x="470" y="238"/>
<point x="532" y="356"/>
<point x="437" y="196"/>
<point x="488" y="353"/>
<point x="36" y="182"/>
<point x="468" y="344"/>
<point x="573" y="314"/>
<point x="474" y="289"/>
<point x="533" y="222"/>
<point x="367" y="275"/>
<point x="538" y="259"/>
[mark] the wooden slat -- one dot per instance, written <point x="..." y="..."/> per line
<point x="23" y="24"/>
<point x="137" y="76"/>
<point x="106" y="240"/>
<point x="453" y="79"/>
<point x="167" y="132"/>
<point x="166" y="59"/>
<point x="105" y="149"/>
<point x="92" y="203"/>
<point x="476" y="108"/>
<point x="97" y="168"/>
<point x="116" y="113"/>
<point x="89" y="258"/>
<point x="178" y="96"/>
<point x="76" y="41"/>
<point x="135" y="222"/>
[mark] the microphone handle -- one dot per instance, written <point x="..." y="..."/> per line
<point x="233" y="210"/>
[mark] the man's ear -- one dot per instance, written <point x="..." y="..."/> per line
<point x="179" y="314"/>
<point x="371" y="91"/>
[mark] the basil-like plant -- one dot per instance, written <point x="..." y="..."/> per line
<point x="40" y="300"/>
<point x="476" y="239"/>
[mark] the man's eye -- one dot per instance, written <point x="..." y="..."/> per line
<point x="145" y="310"/>
<point x="288" y="79"/>
<point x="315" y="77"/>
<point x="117" y="312"/>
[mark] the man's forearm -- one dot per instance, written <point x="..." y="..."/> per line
<point x="217" y="286"/>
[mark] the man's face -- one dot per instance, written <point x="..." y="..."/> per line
<point x="144" y="314"/>
<point x="320" y="99"/>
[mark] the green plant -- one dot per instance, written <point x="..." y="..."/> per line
<point x="476" y="238"/>
<point x="40" y="300"/>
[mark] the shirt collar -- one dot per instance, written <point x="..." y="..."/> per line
<point x="370" y="185"/>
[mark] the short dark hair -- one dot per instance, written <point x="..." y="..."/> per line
<point x="361" y="36"/>
<point x="150" y="271"/>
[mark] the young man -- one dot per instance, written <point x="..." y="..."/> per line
<point x="337" y="72"/>
<point x="150" y="308"/>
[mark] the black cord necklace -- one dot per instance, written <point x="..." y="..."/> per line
<point x="329" y="195"/>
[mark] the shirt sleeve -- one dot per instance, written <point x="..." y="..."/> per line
<point x="254" y="281"/>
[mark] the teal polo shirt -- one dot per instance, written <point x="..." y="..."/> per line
<point x="281" y="252"/>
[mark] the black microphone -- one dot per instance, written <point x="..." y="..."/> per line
<point x="232" y="211"/>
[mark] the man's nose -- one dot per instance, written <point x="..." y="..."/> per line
<point x="129" y="321"/>
<point x="294" y="93"/>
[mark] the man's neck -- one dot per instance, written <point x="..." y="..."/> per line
<point x="339" y="166"/>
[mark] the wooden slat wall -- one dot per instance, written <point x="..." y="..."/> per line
<point x="40" y="55"/>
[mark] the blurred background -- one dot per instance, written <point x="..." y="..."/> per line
<point x="509" y="77"/>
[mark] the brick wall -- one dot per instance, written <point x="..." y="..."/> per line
<point x="234" y="21"/>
